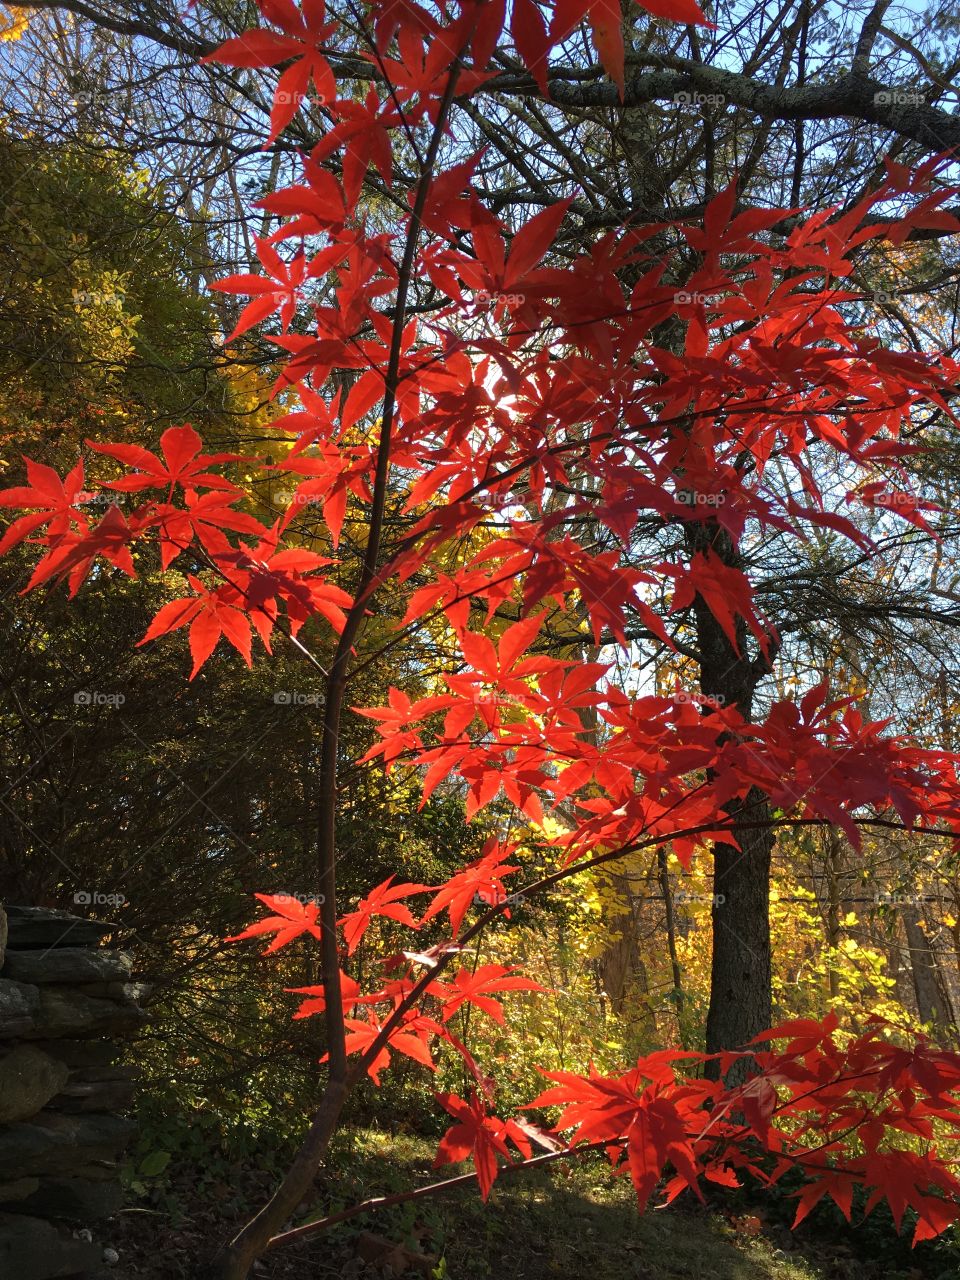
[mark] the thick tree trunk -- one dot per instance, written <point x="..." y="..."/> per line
<point x="740" y="975"/>
<point x="740" y="971"/>
<point x="615" y="965"/>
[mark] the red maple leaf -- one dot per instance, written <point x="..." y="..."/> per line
<point x="211" y="613"/>
<point x="55" y="502"/>
<point x="278" y="289"/>
<point x="724" y="589"/>
<point x="362" y="130"/>
<point x="293" y="917"/>
<point x="71" y="555"/>
<point x="381" y="901"/>
<point x="317" y="1002"/>
<point x="839" y="1186"/>
<point x="408" y="1037"/>
<point x="304" y="32"/>
<point x="316" y="207"/>
<point x="422" y="71"/>
<point x="485" y="874"/>
<point x="476" y="987"/>
<point x="204" y="517"/>
<point x="183" y="464"/>
<point x="479" y="1136"/>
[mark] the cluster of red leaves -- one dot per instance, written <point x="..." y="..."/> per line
<point x="389" y="1022"/>
<point x="832" y="1105"/>
<point x="252" y="580"/>
<point x="667" y="765"/>
<point x="496" y="433"/>
<point x="829" y="1105"/>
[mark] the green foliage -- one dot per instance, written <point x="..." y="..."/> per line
<point x="102" y="324"/>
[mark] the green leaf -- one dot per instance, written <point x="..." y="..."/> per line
<point x="154" y="1164"/>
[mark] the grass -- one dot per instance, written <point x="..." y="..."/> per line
<point x="572" y="1220"/>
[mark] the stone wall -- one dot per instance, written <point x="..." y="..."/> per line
<point x="65" y="1000"/>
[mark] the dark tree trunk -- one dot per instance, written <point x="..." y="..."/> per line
<point x="740" y="972"/>
<point x="740" y="976"/>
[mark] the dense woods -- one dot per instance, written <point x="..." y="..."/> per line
<point x="482" y="478"/>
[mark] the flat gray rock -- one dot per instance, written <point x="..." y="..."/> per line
<point x="122" y="992"/>
<point x="65" y="1012"/>
<point x="36" y="1013"/>
<point x="33" y="927"/>
<point x="68" y="964"/>
<point x="75" y="1200"/>
<point x="56" y="1143"/>
<point x="98" y="1095"/>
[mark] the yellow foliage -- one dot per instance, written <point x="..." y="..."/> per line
<point x="13" y="22"/>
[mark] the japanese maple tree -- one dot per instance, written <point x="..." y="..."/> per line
<point x="536" y="405"/>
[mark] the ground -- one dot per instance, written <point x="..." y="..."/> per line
<point x="575" y="1222"/>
